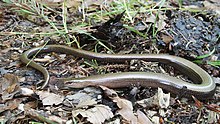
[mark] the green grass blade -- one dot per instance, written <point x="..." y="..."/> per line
<point x="206" y="55"/>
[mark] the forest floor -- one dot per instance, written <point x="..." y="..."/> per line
<point x="186" y="29"/>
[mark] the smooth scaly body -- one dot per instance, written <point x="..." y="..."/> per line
<point x="202" y="88"/>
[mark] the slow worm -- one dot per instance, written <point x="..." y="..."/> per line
<point x="203" y="86"/>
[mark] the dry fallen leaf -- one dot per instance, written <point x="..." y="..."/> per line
<point x="96" y="115"/>
<point x="166" y="38"/>
<point x="109" y="92"/>
<point x="10" y="105"/>
<point x="9" y="86"/>
<point x="142" y="118"/>
<point x="160" y="99"/>
<point x="163" y="99"/>
<point x="126" y="110"/>
<point x="125" y="106"/>
<point x="27" y="92"/>
<point x="155" y="120"/>
<point x="160" y="24"/>
<point x="9" y="82"/>
<point x="50" y="98"/>
<point x="84" y="98"/>
<point x="81" y="100"/>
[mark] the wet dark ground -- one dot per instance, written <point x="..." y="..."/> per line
<point x="186" y="34"/>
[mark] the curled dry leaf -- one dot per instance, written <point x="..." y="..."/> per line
<point x="160" y="99"/>
<point x="96" y="115"/>
<point x="109" y="92"/>
<point x="80" y="100"/>
<point x="84" y="98"/>
<point x="126" y="110"/>
<point x="125" y="106"/>
<point x="9" y="83"/>
<point x="163" y="99"/>
<point x="50" y="98"/>
<point x="9" y="86"/>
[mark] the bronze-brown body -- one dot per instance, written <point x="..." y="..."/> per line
<point x="203" y="88"/>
